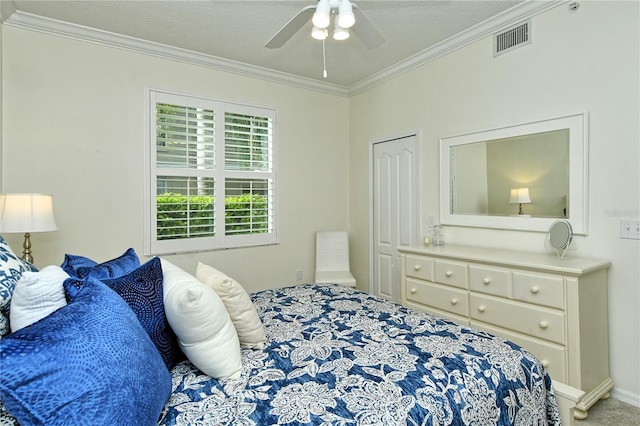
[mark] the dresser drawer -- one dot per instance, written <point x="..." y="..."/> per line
<point x="462" y="320"/>
<point x="551" y="356"/>
<point x="438" y="296"/>
<point x="451" y="273"/>
<point x="535" y="321"/>
<point x="490" y="280"/>
<point x="419" y="267"/>
<point x="546" y="290"/>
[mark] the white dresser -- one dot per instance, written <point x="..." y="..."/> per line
<point x="557" y="309"/>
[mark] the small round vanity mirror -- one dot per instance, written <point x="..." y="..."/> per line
<point x="560" y="236"/>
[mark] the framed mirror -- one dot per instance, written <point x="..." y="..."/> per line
<point x="521" y="177"/>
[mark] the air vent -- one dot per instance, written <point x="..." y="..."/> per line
<point x="512" y="38"/>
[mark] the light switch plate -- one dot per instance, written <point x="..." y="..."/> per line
<point x="630" y="229"/>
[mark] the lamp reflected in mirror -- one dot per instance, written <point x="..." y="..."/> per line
<point x="520" y="196"/>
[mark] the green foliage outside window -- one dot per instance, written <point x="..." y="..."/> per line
<point x="246" y="214"/>
<point x="180" y="216"/>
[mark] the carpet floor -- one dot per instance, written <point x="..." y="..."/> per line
<point x="611" y="412"/>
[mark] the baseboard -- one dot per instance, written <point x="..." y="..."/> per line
<point x="626" y="396"/>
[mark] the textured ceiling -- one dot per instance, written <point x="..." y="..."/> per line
<point x="238" y="30"/>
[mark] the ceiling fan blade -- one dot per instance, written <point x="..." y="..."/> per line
<point x="365" y="30"/>
<point x="291" y="27"/>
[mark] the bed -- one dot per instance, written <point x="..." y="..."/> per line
<point x="338" y="356"/>
<point x="325" y="355"/>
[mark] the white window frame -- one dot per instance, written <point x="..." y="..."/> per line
<point x="152" y="245"/>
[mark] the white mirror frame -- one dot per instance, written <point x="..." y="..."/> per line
<point x="578" y="176"/>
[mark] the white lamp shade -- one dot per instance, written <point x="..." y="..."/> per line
<point x="26" y="213"/>
<point x="319" y="33"/>
<point x="346" y="18"/>
<point x="520" y="196"/>
<point x="322" y="15"/>
<point x="340" y="33"/>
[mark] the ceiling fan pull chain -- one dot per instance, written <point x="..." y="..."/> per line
<point x="324" y="61"/>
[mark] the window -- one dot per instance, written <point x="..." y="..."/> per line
<point x="211" y="180"/>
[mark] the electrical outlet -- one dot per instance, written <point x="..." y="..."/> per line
<point x="630" y="229"/>
<point x="298" y="274"/>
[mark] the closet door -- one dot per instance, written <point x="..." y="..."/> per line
<point x="395" y="211"/>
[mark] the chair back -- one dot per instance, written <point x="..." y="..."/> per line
<point x="332" y="251"/>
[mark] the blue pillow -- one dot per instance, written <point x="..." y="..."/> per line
<point x="142" y="290"/>
<point x="83" y="267"/>
<point x="89" y="362"/>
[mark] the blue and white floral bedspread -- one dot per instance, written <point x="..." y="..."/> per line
<point x="337" y="356"/>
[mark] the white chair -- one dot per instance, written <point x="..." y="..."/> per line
<point x="332" y="259"/>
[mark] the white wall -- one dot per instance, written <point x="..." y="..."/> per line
<point x="583" y="61"/>
<point x="73" y="126"/>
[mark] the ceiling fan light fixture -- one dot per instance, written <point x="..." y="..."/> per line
<point x="319" y="33"/>
<point x="340" y="33"/>
<point x="322" y="15"/>
<point x="346" y="18"/>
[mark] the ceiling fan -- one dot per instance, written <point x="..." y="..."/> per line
<point x="347" y="16"/>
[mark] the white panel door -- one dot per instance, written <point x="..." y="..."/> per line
<point x="395" y="211"/>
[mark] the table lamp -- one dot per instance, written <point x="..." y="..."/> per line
<point x="520" y="196"/>
<point x="26" y="213"/>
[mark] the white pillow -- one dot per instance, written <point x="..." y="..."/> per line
<point x="239" y="306"/>
<point x="201" y="322"/>
<point x="36" y="295"/>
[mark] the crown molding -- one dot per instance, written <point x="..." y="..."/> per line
<point x="50" y="26"/>
<point x="486" y="28"/>
<point x="7" y="8"/>
<point x="525" y="10"/>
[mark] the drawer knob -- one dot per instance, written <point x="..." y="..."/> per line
<point x="416" y="267"/>
<point x="487" y="281"/>
<point x="413" y="290"/>
<point x="481" y="308"/>
<point x="448" y="274"/>
<point x="543" y="325"/>
<point x="454" y="301"/>
<point x="544" y="363"/>
<point x="535" y="289"/>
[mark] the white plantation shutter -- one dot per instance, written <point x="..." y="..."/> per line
<point x="247" y="143"/>
<point x="249" y="174"/>
<point x="254" y="212"/>
<point x="209" y="188"/>
<point x="188" y="214"/>
<point x="185" y="137"/>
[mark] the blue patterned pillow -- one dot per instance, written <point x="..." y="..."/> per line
<point x="11" y="269"/>
<point x="89" y="362"/>
<point x="142" y="290"/>
<point x="83" y="267"/>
